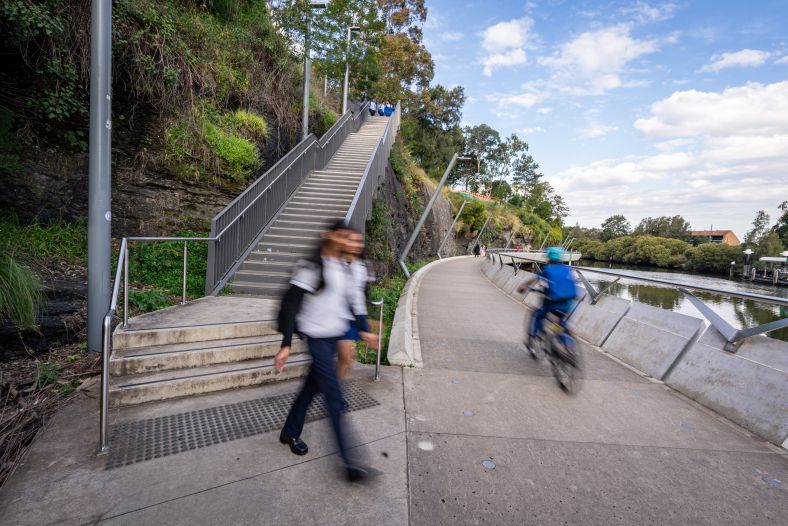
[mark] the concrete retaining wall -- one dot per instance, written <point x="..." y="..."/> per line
<point x="749" y="387"/>
<point x="652" y="339"/>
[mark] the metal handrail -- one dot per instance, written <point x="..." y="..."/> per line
<point x="123" y="256"/>
<point x="732" y="335"/>
<point x="356" y="217"/>
<point x="311" y="153"/>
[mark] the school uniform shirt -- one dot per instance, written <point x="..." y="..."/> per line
<point x="361" y="277"/>
<point x="324" y="313"/>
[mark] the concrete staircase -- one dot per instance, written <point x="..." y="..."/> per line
<point x="324" y="197"/>
<point x="224" y="342"/>
<point x="152" y="360"/>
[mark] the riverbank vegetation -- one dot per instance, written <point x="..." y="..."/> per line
<point x="668" y="242"/>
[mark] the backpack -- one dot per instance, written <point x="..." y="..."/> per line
<point x="561" y="284"/>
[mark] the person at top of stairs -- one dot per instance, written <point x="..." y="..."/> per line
<point x="320" y="301"/>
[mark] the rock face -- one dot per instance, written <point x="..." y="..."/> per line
<point x="402" y="218"/>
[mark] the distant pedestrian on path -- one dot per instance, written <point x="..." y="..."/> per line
<point x="373" y="107"/>
<point x="320" y="303"/>
<point x="382" y="109"/>
<point x="477" y="250"/>
<point x="388" y="110"/>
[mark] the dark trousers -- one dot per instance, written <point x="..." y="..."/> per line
<point x="322" y="378"/>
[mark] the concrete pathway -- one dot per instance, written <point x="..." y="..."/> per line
<point x="624" y="450"/>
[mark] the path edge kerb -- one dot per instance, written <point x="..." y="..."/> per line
<point x="404" y="345"/>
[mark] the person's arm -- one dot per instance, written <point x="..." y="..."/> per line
<point x="304" y="281"/>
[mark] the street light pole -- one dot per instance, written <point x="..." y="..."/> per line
<point x="99" y="171"/>
<point x="451" y="228"/>
<point x="308" y="66"/>
<point x="347" y="67"/>
<point x="426" y="212"/>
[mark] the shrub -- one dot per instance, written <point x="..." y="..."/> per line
<point x="21" y="293"/>
<point x="240" y="154"/>
<point x="251" y="123"/>
<point x="148" y="300"/>
<point x="48" y="373"/>
<point x="712" y="257"/>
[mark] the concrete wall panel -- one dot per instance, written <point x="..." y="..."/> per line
<point x="651" y="339"/>
<point x="750" y="393"/>
<point x="594" y="323"/>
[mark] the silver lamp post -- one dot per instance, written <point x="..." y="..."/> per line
<point x="99" y="171"/>
<point x="350" y="30"/>
<point x="308" y="66"/>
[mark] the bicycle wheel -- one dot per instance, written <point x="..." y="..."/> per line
<point x="565" y="363"/>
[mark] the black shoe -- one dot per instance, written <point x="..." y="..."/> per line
<point x="357" y="473"/>
<point x="297" y="446"/>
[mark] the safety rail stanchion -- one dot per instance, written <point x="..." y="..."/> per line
<point x="379" y="303"/>
<point x="185" y="257"/>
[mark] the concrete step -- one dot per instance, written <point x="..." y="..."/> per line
<point x="332" y="193"/>
<point x="287" y="257"/>
<point x="311" y="209"/>
<point x="266" y="277"/>
<point x="258" y="289"/>
<point x="133" y="339"/>
<point x="335" y="176"/>
<point x="310" y="200"/>
<point x="296" y="233"/>
<point x="308" y="222"/>
<point x="143" y="360"/>
<point x="316" y="185"/>
<point x="137" y="389"/>
<point x="256" y="265"/>
<point x="289" y="245"/>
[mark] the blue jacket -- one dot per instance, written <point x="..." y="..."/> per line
<point x="560" y="282"/>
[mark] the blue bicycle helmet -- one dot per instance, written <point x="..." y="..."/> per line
<point x="555" y="254"/>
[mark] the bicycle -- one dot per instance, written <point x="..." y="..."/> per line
<point x="556" y="342"/>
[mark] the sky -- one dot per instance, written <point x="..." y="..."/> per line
<point x="631" y="107"/>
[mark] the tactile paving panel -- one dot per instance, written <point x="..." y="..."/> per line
<point x="137" y="441"/>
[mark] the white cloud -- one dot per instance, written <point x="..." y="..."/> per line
<point x="740" y="59"/>
<point x="725" y="155"/>
<point x="594" y="62"/>
<point x="595" y="130"/>
<point x="783" y="60"/>
<point x="503" y="103"/>
<point x="644" y="13"/>
<point x="529" y="131"/>
<point x="508" y="58"/>
<point x="451" y="36"/>
<point x="752" y="109"/>
<point x="504" y="44"/>
<point x="544" y="111"/>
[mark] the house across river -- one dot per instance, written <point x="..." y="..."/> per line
<point x="726" y="237"/>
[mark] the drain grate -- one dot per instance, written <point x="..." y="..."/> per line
<point x="137" y="441"/>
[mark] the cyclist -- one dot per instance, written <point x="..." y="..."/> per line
<point x="559" y="293"/>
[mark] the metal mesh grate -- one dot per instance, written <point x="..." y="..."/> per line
<point x="132" y="442"/>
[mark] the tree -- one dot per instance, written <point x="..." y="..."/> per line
<point x="675" y="227"/>
<point x="781" y="227"/>
<point x="479" y="140"/>
<point x="614" y="226"/>
<point x="759" y="226"/>
<point x="769" y="245"/>
<point x="404" y="16"/>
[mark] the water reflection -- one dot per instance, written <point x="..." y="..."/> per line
<point x="738" y="312"/>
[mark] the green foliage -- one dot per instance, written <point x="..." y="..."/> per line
<point x="769" y="245"/>
<point x="712" y="257"/>
<point x="21" y="293"/>
<point x="160" y="265"/>
<point x="675" y="227"/>
<point x="48" y="373"/>
<point x="636" y="250"/>
<point x="253" y="124"/>
<point x="70" y="387"/>
<point x="377" y="232"/>
<point x="149" y="300"/>
<point x="35" y="242"/>
<point x="615" y="226"/>
<point x="239" y="154"/>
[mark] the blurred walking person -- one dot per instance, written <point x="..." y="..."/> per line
<point x="362" y="277"/>
<point x="373" y="108"/>
<point x="318" y="306"/>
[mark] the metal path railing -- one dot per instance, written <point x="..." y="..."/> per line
<point x="374" y="173"/>
<point x="732" y="335"/>
<point x="240" y="225"/>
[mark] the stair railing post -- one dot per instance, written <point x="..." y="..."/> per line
<point x="185" y="258"/>
<point x="104" y="412"/>
<point x="126" y="286"/>
<point x="381" y="304"/>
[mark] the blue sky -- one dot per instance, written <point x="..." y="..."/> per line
<point x="633" y="107"/>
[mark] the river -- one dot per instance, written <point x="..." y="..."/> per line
<point x="738" y="312"/>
